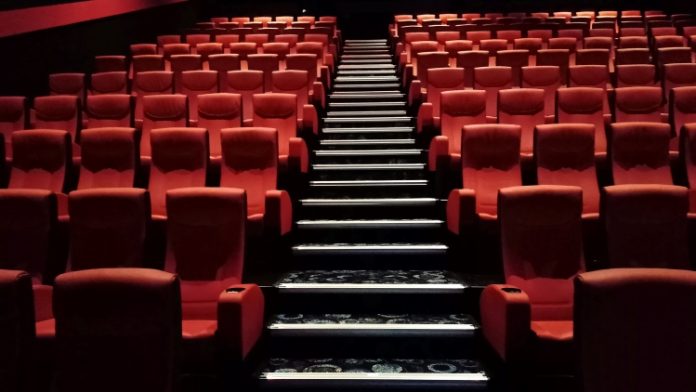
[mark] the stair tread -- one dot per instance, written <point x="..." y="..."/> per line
<point x="386" y="152"/>
<point x="385" y="183"/>
<point x="406" y="201"/>
<point x="327" y="279"/>
<point x="458" y="321"/>
<point x="327" y="223"/>
<point x="367" y="166"/>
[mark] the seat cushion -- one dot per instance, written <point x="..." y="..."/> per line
<point x="199" y="348"/>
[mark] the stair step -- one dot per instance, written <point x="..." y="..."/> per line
<point x="360" y="72"/>
<point x="366" y="142"/>
<point x="368" y="183"/>
<point x="366" y="66"/>
<point x="377" y="324"/>
<point x="366" y="113"/>
<point x="384" y="104"/>
<point x="368" y="120"/>
<point x="366" y="50"/>
<point x="365" y="79"/>
<point x="374" y="281"/>
<point x="371" y="202"/>
<point x="374" y="224"/>
<point x="366" y="86"/>
<point x="366" y="41"/>
<point x="371" y="153"/>
<point x="347" y="56"/>
<point x="366" y="61"/>
<point x="366" y="96"/>
<point x="368" y="167"/>
<point x="368" y="130"/>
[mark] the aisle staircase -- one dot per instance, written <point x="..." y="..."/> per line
<point x="371" y="304"/>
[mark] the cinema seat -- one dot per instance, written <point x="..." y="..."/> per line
<point x="67" y="84"/>
<point x="440" y="80"/>
<point x="108" y="227"/>
<point x="646" y="226"/>
<point x="296" y="82"/>
<point x="195" y="83"/>
<point x="632" y="56"/>
<point x="323" y="62"/>
<point x="110" y="63"/>
<point x="222" y="318"/>
<point x="524" y="107"/>
<point x="560" y="58"/>
<point x="528" y="321"/>
<point x="547" y="78"/>
<point x="161" y="111"/>
<point x="109" y="83"/>
<point x="677" y="75"/>
<point x="614" y="301"/>
<point x="109" y="158"/>
<point x="110" y="302"/>
<point x="184" y="62"/>
<point x="142" y="49"/>
<point x="215" y="112"/>
<point x="280" y="49"/>
<point x="148" y="62"/>
<point x="592" y="57"/>
<point x="638" y="104"/>
<point x="427" y="61"/>
<point x="492" y="80"/>
<point x="515" y="59"/>
<point x="223" y="63"/>
<point x="13" y="117"/>
<point x="207" y="49"/>
<point x="57" y="112"/>
<point x="180" y="159"/>
<point x="150" y="83"/>
<point x="493" y="46"/>
<point x="170" y="50"/>
<point x="195" y="39"/>
<point x="673" y="56"/>
<point x="267" y="63"/>
<point x="457" y="109"/>
<point x="490" y="157"/>
<point x="631" y="75"/>
<point x="584" y="105"/>
<point x="17" y="328"/>
<point x="250" y="162"/>
<point x="245" y="83"/>
<point x="682" y="107"/>
<point x="243" y="50"/>
<point x="564" y="155"/>
<point x="470" y="60"/>
<point x="639" y="153"/>
<point x="168" y="39"/>
<point x="108" y="110"/>
<point x="279" y="111"/>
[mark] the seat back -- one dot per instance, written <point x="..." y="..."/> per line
<point x="614" y="301"/>
<point x="67" y="84"/>
<point x="109" y="158"/>
<point x="490" y="161"/>
<point x="639" y="153"/>
<point x="541" y="241"/>
<point x="179" y="160"/>
<point x="677" y="75"/>
<point x="96" y="340"/>
<point x="632" y="56"/>
<point x="524" y="107"/>
<point x="151" y="83"/>
<point x="457" y="109"/>
<point x="40" y="159"/>
<point x="17" y="329"/>
<point x="216" y="112"/>
<point x="57" y="112"/>
<point x="635" y="75"/>
<point x="279" y="111"/>
<point x="109" y="83"/>
<point x="646" y="225"/>
<point x="430" y="60"/>
<point x="583" y="105"/>
<point x="108" y="110"/>
<point x="443" y="79"/>
<point x="547" y="78"/>
<point x="638" y="104"/>
<point x="195" y="83"/>
<point x="682" y="107"/>
<point x="492" y="80"/>
<point x="13" y="117"/>
<point x="515" y="59"/>
<point x="469" y="60"/>
<point x="115" y="63"/>
<point x="107" y="227"/>
<point x="564" y="155"/>
<point x="148" y="62"/>
<point x="267" y="63"/>
<point x="162" y="111"/>
<point x="292" y="82"/>
<point x="247" y="84"/>
<point x="250" y="162"/>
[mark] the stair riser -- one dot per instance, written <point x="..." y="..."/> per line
<point x="390" y="235"/>
<point x="371" y="212"/>
<point x="375" y="261"/>
<point x="368" y="175"/>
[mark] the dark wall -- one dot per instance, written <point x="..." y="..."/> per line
<point x="28" y="58"/>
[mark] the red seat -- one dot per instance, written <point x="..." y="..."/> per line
<point x="57" y="112"/>
<point x="13" y="117"/>
<point x="564" y="155"/>
<point x="114" y="63"/>
<point x="267" y="63"/>
<point x="639" y="153"/>
<point x="635" y="75"/>
<point x="280" y="49"/>
<point x="528" y="321"/>
<point x="180" y="159"/>
<point x="148" y="62"/>
<point x="184" y="62"/>
<point x="592" y="57"/>
<point x="416" y="48"/>
<point x="227" y="39"/>
<point x="430" y="60"/>
<point x="632" y="56"/>
<point x="440" y="80"/>
<point x="638" y="104"/>
<point x="555" y="57"/>
<point x="195" y="39"/>
<point x="223" y="63"/>
<point x="682" y="107"/>
<point x="599" y="43"/>
<point x="668" y="41"/>
<point x="67" y="84"/>
<point x="317" y="48"/>
<point x="633" y="42"/>
<point x="109" y="83"/>
<point x="250" y="161"/>
<point x="547" y="78"/>
<point x="170" y="50"/>
<point x="493" y="46"/>
<point x="613" y="339"/>
<point x="296" y="82"/>
<point x="290" y="39"/>
<point x="168" y="39"/>
<point x="142" y="49"/>
<point x="161" y="111"/>
<point x="677" y="75"/>
<point x="646" y="226"/>
<point x="243" y="49"/>
<point x="584" y="105"/>
<point x="107" y="227"/>
<point x="515" y="59"/>
<point x="108" y="110"/>
<point x="469" y="60"/>
<point x="17" y="329"/>
<point x="206" y="242"/>
<point x="531" y="44"/>
<point x="279" y="111"/>
<point x="109" y="158"/>
<point x="216" y="112"/>
<point x="150" y="83"/>
<point x="195" y="83"/>
<point x="247" y="84"/>
<point x="96" y="341"/>
<point x="492" y="80"/>
<point x="687" y="155"/>
<point x="673" y="56"/>
<point x="457" y="109"/>
<point x="524" y="107"/>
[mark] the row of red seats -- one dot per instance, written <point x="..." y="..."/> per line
<point x="214" y="112"/>
<point x="212" y="318"/>
<point x="550" y="312"/>
<point x="561" y="15"/>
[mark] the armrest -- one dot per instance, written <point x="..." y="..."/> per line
<point x="138" y="124"/>
<point x="414" y="93"/>
<point x="398" y="49"/>
<point x="240" y="318"/>
<point x="407" y="75"/>
<point x="247" y="123"/>
<point x="193" y="123"/>
<point x="298" y="155"/>
<point x="43" y="302"/>
<point x="278" y="216"/>
<point x="505" y="319"/>
<point x="550" y="119"/>
<point x="62" y="206"/>
<point x="325" y="76"/>
<point x="425" y="116"/>
<point x="329" y="62"/>
<point x="439" y="149"/>
<point x="461" y="209"/>
<point x="310" y="119"/>
<point x="403" y="59"/>
<point x="319" y="94"/>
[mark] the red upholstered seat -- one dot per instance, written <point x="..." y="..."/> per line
<point x="168" y="39"/>
<point x="150" y="83"/>
<point x="687" y="153"/>
<point x="584" y="105"/>
<point x="108" y="110"/>
<point x="179" y="159"/>
<point x="96" y="338"/>
<point x="673" y="56"/>
<point x="515" y="59"/>
<point x="13" y="117"/>
<point x="440" y="80"/>
<point x="616" y="349"/>
<point x="109" y="83"/>
<point x="297" y="82"/>
<point x="205" y="248"/>
<point x="528" y="320"/>
<point x="245" y="83"/>
<point x="142" y="49"/>
<point x="195" y="83"/>
<point x="242" y="49"/>
<point x="67" y="84"/>
<point x="267" y="63"/>
<point x="632" y="56"/>
<point x="457" y="109"/>
<point x="279" y="111"/>
<point x="682" y="107"/>
<point x="250" y="162"/>
<point x="646" y="225"/>
<point x="635" y="75"/>
<point x="223" y="63"/>
<point x="110" y="63"/>
<point x="639" y="153"/>
<point x="565" y="156"/>
<point x="493" y="46"/>
<point x="555" y="57"/>
<point x="148" y="62"/>
<point x="180" y="63"/>
<point x="57" y="112"/>
<point x="195" y="39"/>
<point x="109" y="158"/>
<point x="161" y="111"/>
<point x="17" y="329"/>
<point x="547" y="78"/>
<point x="524" y="107"/>
<point x="280" y="49"/>
<point x="170" y="50"/>
<point x="677" y="75"/>
<point x="641" y="103"/>
<point x="469" y="60"/>
<point x="492" y="80"/>
<point x="430" y="60"/>
<point x="218" y="111"/>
